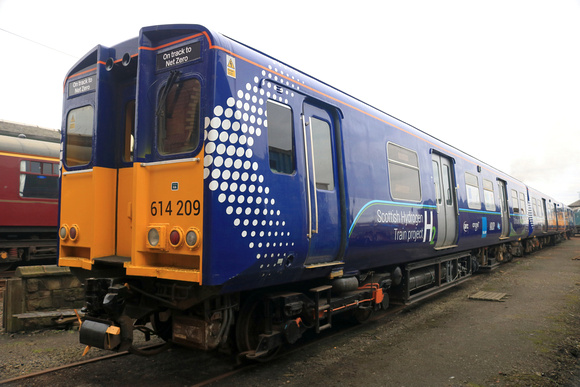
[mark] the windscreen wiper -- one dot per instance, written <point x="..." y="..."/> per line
<point x="163" y="97"/>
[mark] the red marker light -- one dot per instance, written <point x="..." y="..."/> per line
<point x="73" y="233"/>
<point x="174" y="238"/>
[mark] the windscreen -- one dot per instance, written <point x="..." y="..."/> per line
<point x="79" y="136"/>
<point x="178" y="116"/>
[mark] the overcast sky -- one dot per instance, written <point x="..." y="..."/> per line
<point x="498" y="79"/>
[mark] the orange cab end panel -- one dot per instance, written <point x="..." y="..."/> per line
<point x="87" y="217"/>
<point x="169" y="205"/>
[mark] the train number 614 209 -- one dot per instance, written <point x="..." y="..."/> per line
<point x="181" y="208"/>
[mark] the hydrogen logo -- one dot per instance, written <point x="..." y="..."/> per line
<point x="428" y="226"/>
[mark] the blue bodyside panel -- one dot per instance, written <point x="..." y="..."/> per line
<point x="263" y="215"/>
<point x="256" y="216"/>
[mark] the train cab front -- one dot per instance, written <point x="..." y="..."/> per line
<point x="96" y="154"/>
<point x="131" y="218"/>
<point x="168" y="171"/>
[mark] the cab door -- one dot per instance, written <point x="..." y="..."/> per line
<point x="446" y="199"/>
<point x="126" y="125"/>
<point x="323" y="188"/>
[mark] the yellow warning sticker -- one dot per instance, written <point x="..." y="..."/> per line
<point x="231" y="68"/>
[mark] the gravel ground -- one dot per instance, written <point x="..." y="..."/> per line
<point x="23" y="353"/>
<point x="531" y="339"/>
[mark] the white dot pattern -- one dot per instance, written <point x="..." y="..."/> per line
<point x="233" y="173"/>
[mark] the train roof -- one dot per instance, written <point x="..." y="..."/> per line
<point x="29" y="147"/>
<point x="15" y="129"/>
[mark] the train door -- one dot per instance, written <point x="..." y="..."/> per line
<point x="505" y="213"/>
<point x="126" y="132"/>
<point x="446" y="198"/>
<point x="323" y="188"/>
<point x="545" y="211"/>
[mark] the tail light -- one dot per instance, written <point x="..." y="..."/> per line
<point x="176" y="237"/>
<point x="74" y="232"/>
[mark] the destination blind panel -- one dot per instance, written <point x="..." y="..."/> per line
<point x="178" y="55"/>
<point x="82" y="85"/>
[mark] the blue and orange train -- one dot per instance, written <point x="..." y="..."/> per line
<point x="225" y="196"/>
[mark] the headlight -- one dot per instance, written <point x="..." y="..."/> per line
<point x="157" y="236"/>
<point x="153" y="237"/>
<point x="63" y="232"/>
<point x="192" y="238"/>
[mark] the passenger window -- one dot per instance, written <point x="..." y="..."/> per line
<point x="522" y="203"/>
<point x="178" y="117"/>
<point x="472" y="186"/>
<point x="404" y="176"/>
<point x="534" y="205"/>
<point x="38" y="180"/>
<point x="515" y="202"/>
<point x="280" y="138"/>
<point x="79" y="136"/>
<point x="488" y="196"/>
<point x="323" y="160"/>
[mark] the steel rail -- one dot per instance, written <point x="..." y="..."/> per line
<point x="72" y="365"/>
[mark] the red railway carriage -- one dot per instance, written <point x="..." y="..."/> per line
<point x="29" y="173"/>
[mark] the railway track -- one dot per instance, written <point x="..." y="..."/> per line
<point x="220" y="376"/>
<point x="242" y="367"/>
<point x="73" y="365"/>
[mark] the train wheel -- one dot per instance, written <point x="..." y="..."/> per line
<point x="386" y="300"/>
<point x="362" y="315"/>
<point x="6" y="266"/>
<point x="251" y="323"/>
<point x="162" y="324"/>
<point x="162" y="327"/>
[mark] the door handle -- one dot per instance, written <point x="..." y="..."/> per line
<point x="309" y="199"/>
<point x="309" y="184"/>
